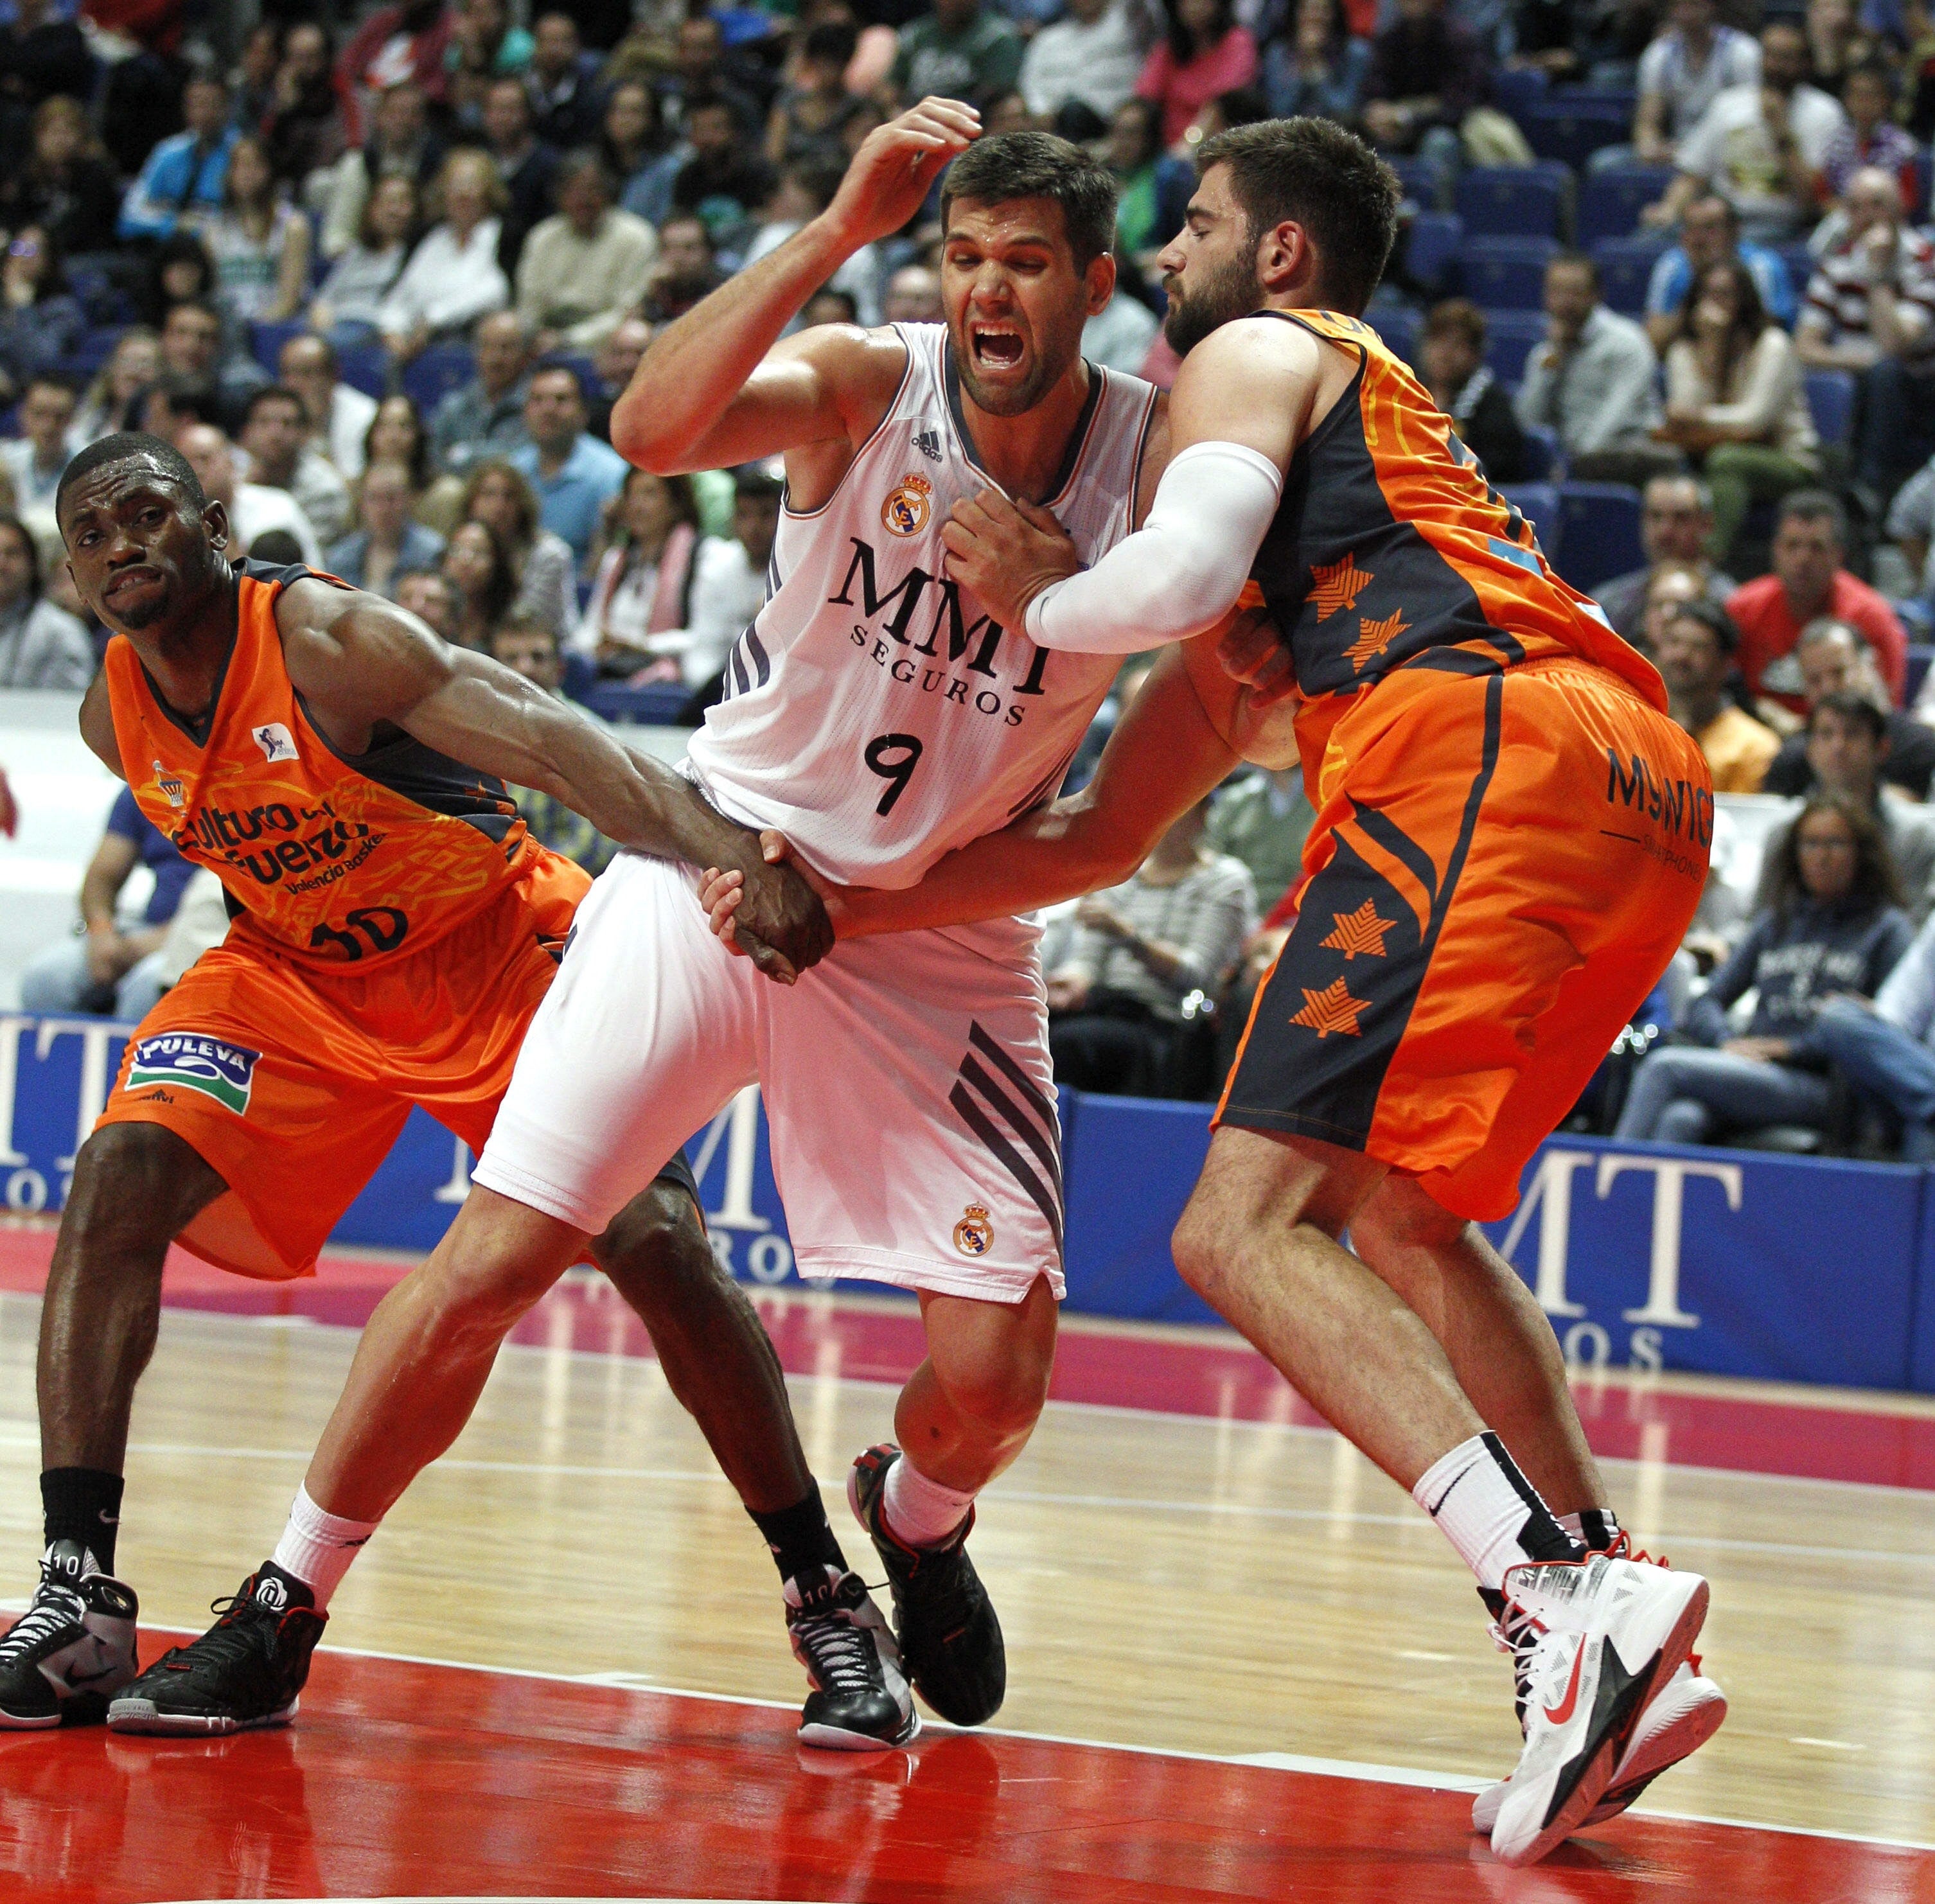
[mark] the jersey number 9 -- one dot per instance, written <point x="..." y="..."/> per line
<point x="894" y="757"/>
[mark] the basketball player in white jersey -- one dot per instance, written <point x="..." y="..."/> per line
<point x="877" y="715"/>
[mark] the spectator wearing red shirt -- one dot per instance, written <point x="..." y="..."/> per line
<point x="1809" y="582"/>
<point x="396" y="42"/>
<point x="1202" y="53"/>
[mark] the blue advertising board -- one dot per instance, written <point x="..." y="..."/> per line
<point x="1645" y="1256"/>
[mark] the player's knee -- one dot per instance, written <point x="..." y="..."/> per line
<point x="1197" y="1245"/>
<point x="128" y="1193"/>
<point x="654" y="1251"/>
<point x="998" y="1385"/>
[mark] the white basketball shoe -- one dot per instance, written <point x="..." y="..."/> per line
<point x="1597" y="1639"/>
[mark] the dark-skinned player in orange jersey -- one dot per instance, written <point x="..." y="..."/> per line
<point x="395" y="927"/>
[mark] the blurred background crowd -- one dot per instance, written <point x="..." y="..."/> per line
<point x="381" y="274"/>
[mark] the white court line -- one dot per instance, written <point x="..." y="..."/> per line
<point x="1100" y="1503"/>
<point x="1326" y="1768"/>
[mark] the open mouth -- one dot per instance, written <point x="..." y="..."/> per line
<point x="130" y="578"/>
<point x="996" y="346"/>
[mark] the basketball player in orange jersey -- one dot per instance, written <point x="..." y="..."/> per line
<point x="1511" y="838"/>
<point x="395" y="927"/>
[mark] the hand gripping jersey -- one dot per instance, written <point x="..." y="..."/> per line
<point x="1389" y="544"/>
<point x="333" y="861"/>
<point x="874" y="712"/>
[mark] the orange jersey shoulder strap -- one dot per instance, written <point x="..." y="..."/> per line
<point x="336" y="859"/>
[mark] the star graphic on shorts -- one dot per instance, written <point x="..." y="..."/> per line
<point x="1374" y="637"/>
<point x="1337" y="585"/>
<point x="1360" y="931"/>
<point x="1332" y="1010"/>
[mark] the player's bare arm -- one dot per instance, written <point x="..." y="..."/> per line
<point x="361" y="661"/>
<point x="1188" y="727"/>
<point x="97" y="726"/>
<point x="719" y="388"/>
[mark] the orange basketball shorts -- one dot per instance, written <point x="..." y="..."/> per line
<point x="294" y="1083"/>
<point x="1503" y="862"/>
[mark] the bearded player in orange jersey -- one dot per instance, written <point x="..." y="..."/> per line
<point x="395" y="928"/>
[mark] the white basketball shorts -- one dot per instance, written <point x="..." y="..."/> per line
<point x="906" y="1080"/>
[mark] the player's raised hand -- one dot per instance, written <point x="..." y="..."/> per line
<point x="896" y="167"/>
<point x="1005" y="554"/>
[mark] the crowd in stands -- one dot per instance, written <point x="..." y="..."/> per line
<point x="381" y="274"/>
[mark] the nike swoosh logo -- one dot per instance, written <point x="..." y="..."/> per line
<point x="1560" y="1713"/>
<point x="1447" y="1495"/>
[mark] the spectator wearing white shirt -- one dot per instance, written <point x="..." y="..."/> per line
<point x="346" y="309"/>
<point x="1092" y="56"/>
<point x="585" y="268"/>
<point x="642" y="592"/>
<point x="254" y="509"/>
<point x="41" y="645"/>
<point x="1681" y="73"/>
<point x="1119" y="335"/>
<point x="728" y="584"/>
<point x="340" y="414"/>
<point x="1871" y="309"/>
<point x="274" y="432"/>
<point x="1760" y="146"/>
<point x="452" y="277"/>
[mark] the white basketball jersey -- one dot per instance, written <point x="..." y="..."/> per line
<point x="874" y="713"/>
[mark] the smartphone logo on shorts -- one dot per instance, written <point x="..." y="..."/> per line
<point x="191" y="1061"/>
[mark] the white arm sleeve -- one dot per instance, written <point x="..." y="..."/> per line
<point x="1182" y="571"/>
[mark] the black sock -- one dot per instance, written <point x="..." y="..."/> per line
<point x="83" y="1504"/>
<point x="800" y="1537"/>
<point x="1598" y="1528"/>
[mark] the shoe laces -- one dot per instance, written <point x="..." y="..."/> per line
<point x="1518" y="1631"/>
<point x="843" y="1656"/>
<point x="237" y="1635"/>
<point x="54" y="1607"/>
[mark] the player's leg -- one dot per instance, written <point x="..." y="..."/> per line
<point x="135" y="1186"/>
<point x="720" y="1363"/>
<point x="1498" y="1341"/>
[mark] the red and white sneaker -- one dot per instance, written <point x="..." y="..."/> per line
<point x="1677" y="1725"/>
<point x="1597" y="1637"/>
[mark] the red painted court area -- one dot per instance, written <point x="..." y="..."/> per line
<point x="404" y="1779"/>
<point x="1203" y="1375"/>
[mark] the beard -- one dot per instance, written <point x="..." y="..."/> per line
<point x="1229" y="292"/>
<point x="1007" y="401"/>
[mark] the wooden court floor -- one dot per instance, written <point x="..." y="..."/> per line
<point x="1234" y="1587"/>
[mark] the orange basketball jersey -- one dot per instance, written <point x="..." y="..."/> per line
<point x="1389" y="543"/>
<point x="335" y="861"/>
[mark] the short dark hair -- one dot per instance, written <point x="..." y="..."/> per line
<point x="1714" y="619"/>
<point x="751" y="483"/>
<point x="9" y="522"/>
<point x="1851" y="706"/>
<point x="127" y="446"/>
<point x="271" y="393"/>
<point x="526" y="621"/>
<point x="52" y="380"/>
<point x="1575" y="260"/>
<point x="1814" y="505"/>
<point x="582" y="160"/>
<point x="1013" y="165"/>
<point x="1457" y="317"/>
<point x="833" y="40"/>
<point x="1328" y="180"/>
<point x="551" y="366"/>
<point x="276" y="547"/>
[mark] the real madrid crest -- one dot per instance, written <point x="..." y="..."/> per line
<point x="907" y="508"/>
<point x="974" y="1234"/>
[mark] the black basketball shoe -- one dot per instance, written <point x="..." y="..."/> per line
<point x="71" y="1651"/>
<point x="950" y="1640"/>
<point x="861" y="1701"/>
<point x="245" y="1671"/>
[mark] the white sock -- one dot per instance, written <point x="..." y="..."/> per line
<point x="1489" y="1511"/>
<point x="317" y="1547"/>
<point x="922" y="1512"/>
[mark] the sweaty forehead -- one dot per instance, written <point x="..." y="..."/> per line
<point x="1007" y="221"/>
<point x="114" y="483"/>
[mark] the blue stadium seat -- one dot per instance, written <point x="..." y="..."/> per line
<point x="266" y="341"/>
<point x="1611" y="202"/>
<point x="1398" y="325"/>
<point x="1544" y="462"/>
<point x="1516" y="201"/>
<point x="1518" y="91"/>
<point x="440" y="369"/>
<point x="366" y="368"/>
<point x="1420" y="180"/>
<point x="1599" y="536"/>
<point x="1924" y="172"/>
<point x="1510" y="336"/>
<point x="95" y="347"/>
<point x="581" y="677"/>
<point x="1572" y="128"/>
<point x="1800" y="263"/>
<point x="1431" y="247"/>
<point x="1625" y="266"/>
<point x="658" y="705"/>
<point x="1539" y="503"/>
<point x="1830" y="397"/>
<point x="1919" y="656"/>
<point x="1506" y="274"/>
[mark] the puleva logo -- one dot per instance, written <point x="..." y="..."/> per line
<point x="906" y="510"/>
<point x="191" y="1061"/>
<point x="276" y="741"/>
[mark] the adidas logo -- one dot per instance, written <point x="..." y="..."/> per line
<point x="928" y="442"/>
